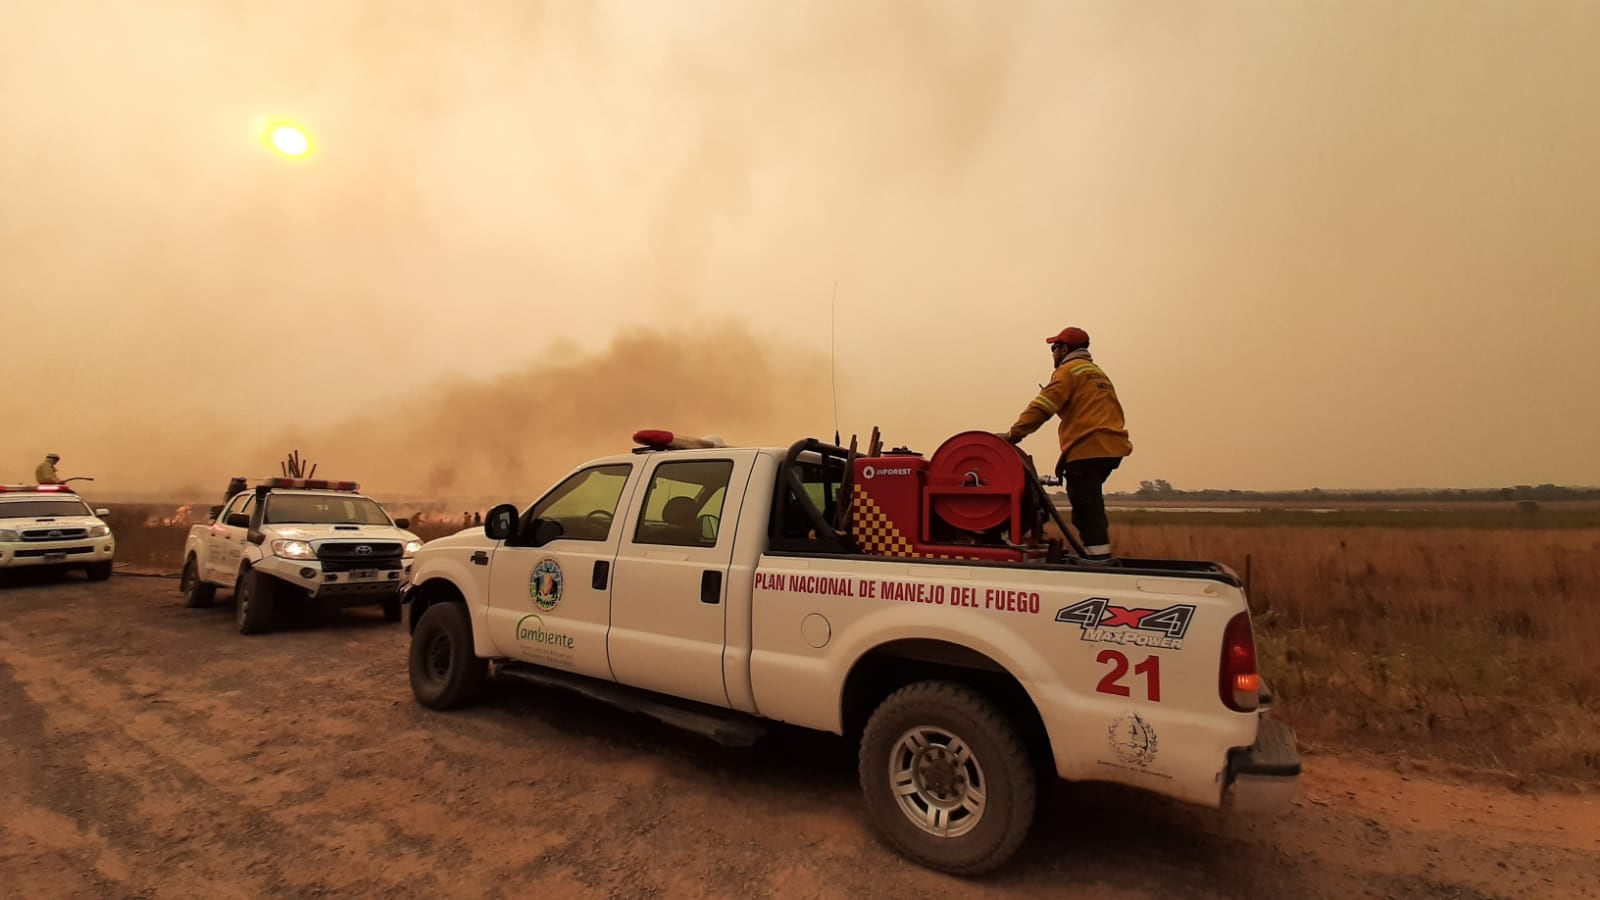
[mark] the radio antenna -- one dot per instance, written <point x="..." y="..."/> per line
<point x="833" y="356"/>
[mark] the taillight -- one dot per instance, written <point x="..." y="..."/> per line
<point x="1238" y="682"/>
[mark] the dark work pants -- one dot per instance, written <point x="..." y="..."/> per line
<point x="1085" y="479"/>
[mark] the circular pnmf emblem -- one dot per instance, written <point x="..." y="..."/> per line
<point x="1133" y="740"/>
<point x="867" y="473"/>
<point x="545" y="585"/>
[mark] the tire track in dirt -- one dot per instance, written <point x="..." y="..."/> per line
<point x="44" y="850"/>
<point x="138" y="779"/>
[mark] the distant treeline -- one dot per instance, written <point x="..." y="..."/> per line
<point x="1161" y="490"/>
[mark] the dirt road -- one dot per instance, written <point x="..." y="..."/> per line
<point x="150" y="750"/>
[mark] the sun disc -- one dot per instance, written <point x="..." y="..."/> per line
<point x="290" y="141"/>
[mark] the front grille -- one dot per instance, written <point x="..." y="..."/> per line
<point x="69" y="551"/>
<point x="355" y="565"/>
<point x="55" y="534"/>
<point x="353" y="551"/>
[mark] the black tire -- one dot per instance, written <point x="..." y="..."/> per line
<point x="255" y="602"/>
<point x="391" y="610"/>
<point x="196" y="593"/>
<point x="99" y="571"/>
<point x="998" y="756"/>
<point x="445" y="672"/>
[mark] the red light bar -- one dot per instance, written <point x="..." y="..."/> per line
<point x="36" y="488"/>
<point x="311" y="484"/>
<point x="660" y="439"/>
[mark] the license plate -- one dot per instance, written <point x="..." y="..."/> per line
<point x="364" y="573"/>
<point x="55" y="557"/>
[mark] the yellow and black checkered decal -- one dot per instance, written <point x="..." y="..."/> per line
<point x="876" y="535"/>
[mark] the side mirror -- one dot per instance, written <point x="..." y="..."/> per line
<point x="501" y="524"/>
<point x="102" y="512"/>
<point x="402" y="523"/>
<point x="238" y="520"/>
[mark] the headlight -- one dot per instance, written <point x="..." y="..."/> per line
<point x="293" y="550"/>
<point x="99" y="530"/>
<point x="412" y="547"/>
<point x="9" y="536"/>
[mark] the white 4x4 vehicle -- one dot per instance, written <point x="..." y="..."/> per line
<point x="296" y="540"/>
<point x="917" y="604"/>
<point x="50" y="525"/>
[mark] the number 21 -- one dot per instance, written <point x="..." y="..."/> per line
<point x="1112" y="682"/>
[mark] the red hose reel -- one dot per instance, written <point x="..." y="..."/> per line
<point x="976" y="481"/>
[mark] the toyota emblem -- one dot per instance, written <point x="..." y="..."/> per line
<point x="363" y="550"/>
<point x="54" y="534"/>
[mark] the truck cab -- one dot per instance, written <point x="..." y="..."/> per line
<point x="296" y="541"/>
<point x="909" y="603"/>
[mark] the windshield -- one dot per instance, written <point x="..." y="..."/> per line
<point x="43" y="509"/>
<point x="320" y="509"/>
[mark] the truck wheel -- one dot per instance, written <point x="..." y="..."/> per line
<point x="391" y="610"/>
<point x="254" y="601"/>
<point x="196" y="593"/>
<point x="947" y="778"/>
<point x="99" y="571"/>
<point x="445" y="673"/>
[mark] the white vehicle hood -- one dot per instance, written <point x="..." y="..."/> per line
<point x="472" y="538"/>
<point x="47" y="522"/>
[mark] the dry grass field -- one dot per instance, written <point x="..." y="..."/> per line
<point x="1452" y="640"/>
<point x="1466" y="644"/>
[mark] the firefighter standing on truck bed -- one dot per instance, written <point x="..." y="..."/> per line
<point x="45" y="472"/>
<point x="1093" y="434"/>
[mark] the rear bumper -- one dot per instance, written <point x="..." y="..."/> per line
<point x="30" y="554"/>
<point x="1263" y="778"/>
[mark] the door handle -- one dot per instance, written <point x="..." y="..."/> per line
<point x="710" y="587"/>
<point x="480" y="558"/>
<point x="602" y="572"/>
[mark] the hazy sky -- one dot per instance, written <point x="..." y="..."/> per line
<point x="1338" y="244"/>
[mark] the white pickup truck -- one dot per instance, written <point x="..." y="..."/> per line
<point x="290" y="541"/>
<point x="49" y="525"/>
<point x="720" y="588"/>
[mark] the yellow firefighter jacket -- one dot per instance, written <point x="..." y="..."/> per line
<point x="1080" y="393"/>
<point x="45" y="473"/>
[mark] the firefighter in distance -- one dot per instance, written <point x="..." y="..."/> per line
<point x="45" y="472"/>
<point x="1093" y="433"/>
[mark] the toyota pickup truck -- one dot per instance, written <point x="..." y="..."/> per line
<point x="918" y="606"/>
<point x="289" y="542"/>
<point x="49" y="526"/>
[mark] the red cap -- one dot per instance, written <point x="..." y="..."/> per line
<point x="1071" y="336"/>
